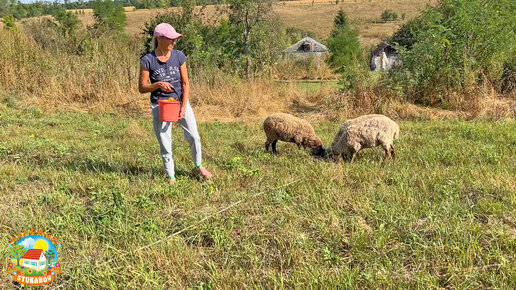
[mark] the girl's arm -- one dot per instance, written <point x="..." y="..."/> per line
<point x="185" y="83"/>
<point x="144" y="85"/>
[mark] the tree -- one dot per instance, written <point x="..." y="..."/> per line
<point x="68" y="22"/>
<point x="50" y="255"/>
<point x="341" y="20"/>
<point x="345" y="51"/>
<point x="17" y="252"/>
<point x="109" y="16"/>
<point x="247" y="14"/>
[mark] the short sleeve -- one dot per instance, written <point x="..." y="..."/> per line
<point x="145" y="63"/>
<point x="181" y="57"/>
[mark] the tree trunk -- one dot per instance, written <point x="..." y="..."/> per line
<point x="247" y="30"/>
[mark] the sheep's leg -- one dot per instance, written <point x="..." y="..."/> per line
<point x="387" y="152"/>
<point x="268" y="141"/>
<point x="353" y="157"/>
<point x="274" y="146"/>
<point x="392" y="152"/>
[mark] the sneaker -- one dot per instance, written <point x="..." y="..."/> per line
<point x="204" y="173"/>
<point x="172" y="181"/>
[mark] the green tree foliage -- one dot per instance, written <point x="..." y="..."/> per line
<point x="17" y="252"/>
<point x="9" y="23"/>
<point x="457" y="46"/>
<point x="50" y="255"/>
<point x="68" y="22"/>
<point x="389" y="15"/>
<point x="407" y="34"/>
<point x="222" y="46"/>
<point x="186" y="21"/>
<point x="109" y="16"/>
<point x="346" y="55"/>
<point x="245" y="15"/>
<point x="4" y="8"/>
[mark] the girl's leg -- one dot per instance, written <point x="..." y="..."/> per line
<point x="162" y="132"/>
<point x="189" y="125"/>
<point x="191" y="135"/>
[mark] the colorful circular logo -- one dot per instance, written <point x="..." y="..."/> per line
<point x="34" y="257"/>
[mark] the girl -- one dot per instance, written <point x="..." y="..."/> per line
<point x="163" y="73"/>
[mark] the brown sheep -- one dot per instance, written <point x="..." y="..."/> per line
<point x="288" y="128"/>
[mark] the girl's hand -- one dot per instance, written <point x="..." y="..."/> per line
<point x="165" y="86"/>
<point x="182" y="112"/>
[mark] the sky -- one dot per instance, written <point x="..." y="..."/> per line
<point x="29" y="241"/>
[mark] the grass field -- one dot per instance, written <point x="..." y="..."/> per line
<point x="441" y="216"/>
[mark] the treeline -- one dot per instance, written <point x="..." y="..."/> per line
<point x="24" y="10"/>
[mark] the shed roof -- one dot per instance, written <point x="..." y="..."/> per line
<point x="381" y="47"/>
<point x="316" y="46"/>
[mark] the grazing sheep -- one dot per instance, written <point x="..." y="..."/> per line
<point x="365" y="132"/>
<point x="357" y="120"/>
<point x="288" y="128"/>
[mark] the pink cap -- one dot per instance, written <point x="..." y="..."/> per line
<point x="166" y="30"/>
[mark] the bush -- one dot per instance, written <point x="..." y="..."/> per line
<point x="9" y="23"/>
<point x="456" y="47"/>
<point x="389" y="15"/>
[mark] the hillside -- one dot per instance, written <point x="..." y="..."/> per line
<point x="317" y="18"/>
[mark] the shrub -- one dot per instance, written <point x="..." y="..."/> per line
<point x="9" y="23"/>
<point x="389" y="15"/>
<point x="456" y="47"/>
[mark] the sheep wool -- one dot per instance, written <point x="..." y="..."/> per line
<point x="287" y="128"/>
<point x="365" y="132"/>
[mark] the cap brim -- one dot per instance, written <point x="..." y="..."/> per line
<point x="170" y="36"/>
<point x="176" y="36"/>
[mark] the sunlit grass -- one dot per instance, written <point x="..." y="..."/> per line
<point x="441" y="215"/>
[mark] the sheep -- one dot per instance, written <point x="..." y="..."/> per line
<point x="365" y="132"/>
<point x="357" y="120"/>
<point x="285" y="127"/>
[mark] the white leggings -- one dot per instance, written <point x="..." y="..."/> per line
<point x="164" y="136"/>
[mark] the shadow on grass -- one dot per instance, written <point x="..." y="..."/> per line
<point x="102" y="166"/>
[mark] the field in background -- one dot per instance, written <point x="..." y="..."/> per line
<point x="441" y="216"/>
<point x="317" y="18"/>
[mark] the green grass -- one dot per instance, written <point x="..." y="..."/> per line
<point x="442" y="215"/>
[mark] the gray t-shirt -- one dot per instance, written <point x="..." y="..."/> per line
<point x="165" y="72"/>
